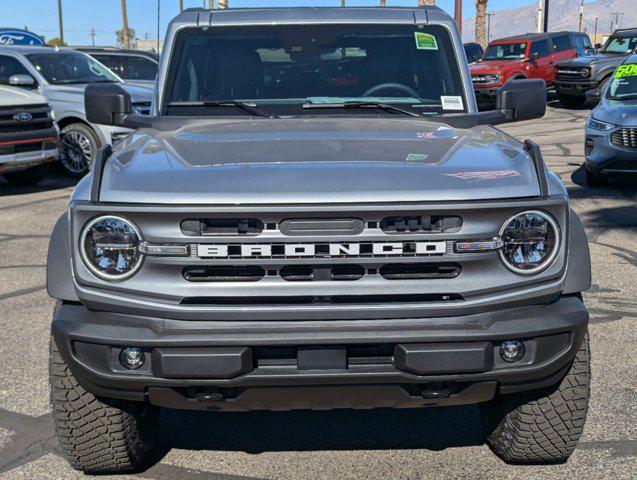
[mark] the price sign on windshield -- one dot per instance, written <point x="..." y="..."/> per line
<point x="629" y="70"/>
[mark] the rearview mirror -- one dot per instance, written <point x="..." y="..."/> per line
<point x="533" y="57"/>
<point x="110" y="104"/>
<point x="523" y="99"/>
<point x="22" y="80"/>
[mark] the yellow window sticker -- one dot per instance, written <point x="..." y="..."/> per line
<point x="628" y="70"/>
<point x="425" y="41"/>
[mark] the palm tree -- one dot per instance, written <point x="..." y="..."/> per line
<point x="481" y="22"/>
<point x="125" y="30"/>
<point x="426" y="2"/>
<point x="223" y="4"/>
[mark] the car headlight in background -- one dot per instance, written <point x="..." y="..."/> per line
<point x="530" y="242"/>
<point x="109" y="246"/>
<point x="599" y="125"/>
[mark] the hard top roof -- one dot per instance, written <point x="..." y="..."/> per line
<point x="535" y="36"/>
<point x="310" y="15"/>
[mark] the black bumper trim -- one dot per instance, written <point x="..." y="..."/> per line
<point x="74" y="326"/>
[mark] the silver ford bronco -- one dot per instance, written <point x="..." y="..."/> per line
<point x="316" y="216"/>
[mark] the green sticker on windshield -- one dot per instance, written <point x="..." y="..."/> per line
<point x="425" y="41"/>
<point x="628" y="70"/>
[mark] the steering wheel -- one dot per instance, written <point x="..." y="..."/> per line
<point x="391" y="86"/>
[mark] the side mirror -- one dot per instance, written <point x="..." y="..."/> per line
<point x="598" y="46"/>
<point x="594" y="95"/>
<point x="22" y="80"/>
<point x="522" y="99"/>
<point x="533" y="57"/>
<point x="110" y="104"/>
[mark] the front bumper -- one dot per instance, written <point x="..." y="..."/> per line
<point x="25" y="153"/>
<point x="575" y="88"/>
<point x="239" y="366"/>
<point x="604" y="158"/>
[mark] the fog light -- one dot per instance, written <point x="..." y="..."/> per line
<point x="132" y="358"/>
<point x="512" y="351"/>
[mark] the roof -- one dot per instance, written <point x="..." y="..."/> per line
<point x="535" y="36"/>
<point x="311" y="15"/>
<point x="625" y="31"/>
<point x="26" y="49"/>
<point x="128" y="51"/>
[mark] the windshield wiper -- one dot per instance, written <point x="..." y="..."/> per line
<point x="362" y="104"/>
<point x="250" y="108"/>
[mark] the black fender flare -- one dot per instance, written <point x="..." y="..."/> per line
<point x="578" y="267"/>
<point x="59" y="270"/>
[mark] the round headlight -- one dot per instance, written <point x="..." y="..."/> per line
<point x="584" y="72"/>
<point x="531" y="242"/>
<point x="109" y="246"/>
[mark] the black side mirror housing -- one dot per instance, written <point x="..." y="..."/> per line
<point x="523" y="99"/>
<point x="598" y="46"/>
<point x="110" y="104"/>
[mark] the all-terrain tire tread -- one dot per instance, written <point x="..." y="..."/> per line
<point x="95" y="435"/>
<point x="544" y="426"/>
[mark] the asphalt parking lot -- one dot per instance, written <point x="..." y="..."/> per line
<point x="428" y="443"/>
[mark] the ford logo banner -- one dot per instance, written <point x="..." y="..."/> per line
<point x="12" y="36"/>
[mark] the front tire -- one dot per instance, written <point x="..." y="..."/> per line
<point x="98" y="435"/>
<point x="571" y="101"/>
<point x="541" y="426"/>
<point x="79" y="146"/>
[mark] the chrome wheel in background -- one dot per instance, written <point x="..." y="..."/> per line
<point x="79" y="145"/>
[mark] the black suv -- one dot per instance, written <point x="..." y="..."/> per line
<point x="577" y="76"/>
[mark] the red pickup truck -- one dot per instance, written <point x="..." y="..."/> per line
<point x="533" y="55"/>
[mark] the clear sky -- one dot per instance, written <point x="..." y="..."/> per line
<point x="80" y="16"/>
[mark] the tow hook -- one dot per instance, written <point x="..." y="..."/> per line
<point x="435" y="391"/>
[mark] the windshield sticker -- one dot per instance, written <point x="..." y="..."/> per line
<point x="416" y="157"/>
<point x="451" y="103"/>
<point x="425" y="41"/>
<point x="628" y="70"/>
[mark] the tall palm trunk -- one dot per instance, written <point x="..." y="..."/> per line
<point x="481" y="22"/>
<point x="125" y="31"/>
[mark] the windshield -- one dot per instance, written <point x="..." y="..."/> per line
<point x="70" y="67"/>
<point x="506" y="51"/>
<point x="621" y="45"/>
<point x="292" y="66"/>
<point x="624" y="83"/>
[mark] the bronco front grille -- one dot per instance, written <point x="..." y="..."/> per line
<point x="625" y="138"/>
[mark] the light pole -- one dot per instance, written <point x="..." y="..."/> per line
<point x="60" y="20"/>
<point x="489" y="15"/>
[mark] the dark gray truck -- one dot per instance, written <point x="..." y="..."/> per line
<point x="316" y="216"/>
<point x="580" y="75"/>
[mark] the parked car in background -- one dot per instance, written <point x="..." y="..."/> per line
<point x="135" y="67"/>
<point x="61" y="75"/>
<point x="577" y="76"/>
<point x="28" y="136"/>
<point x="533" y="55"/>
<point x="611" y="130"/>
<point x="473" y="51"/>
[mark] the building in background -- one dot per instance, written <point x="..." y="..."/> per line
<point x="148" y="45"/>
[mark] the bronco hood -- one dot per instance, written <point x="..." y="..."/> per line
<point x="317" y="160"/>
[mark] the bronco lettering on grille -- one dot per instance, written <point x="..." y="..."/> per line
<point x="305" y="250"/>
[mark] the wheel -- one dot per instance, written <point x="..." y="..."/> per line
<point x="594" y="179"/>
<point x="571" y="101"/>
<point x="541" y="426"/>
<point x="79" y="145"/>
<point x="30" y="176"/>
<point x="98" y="435"/>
